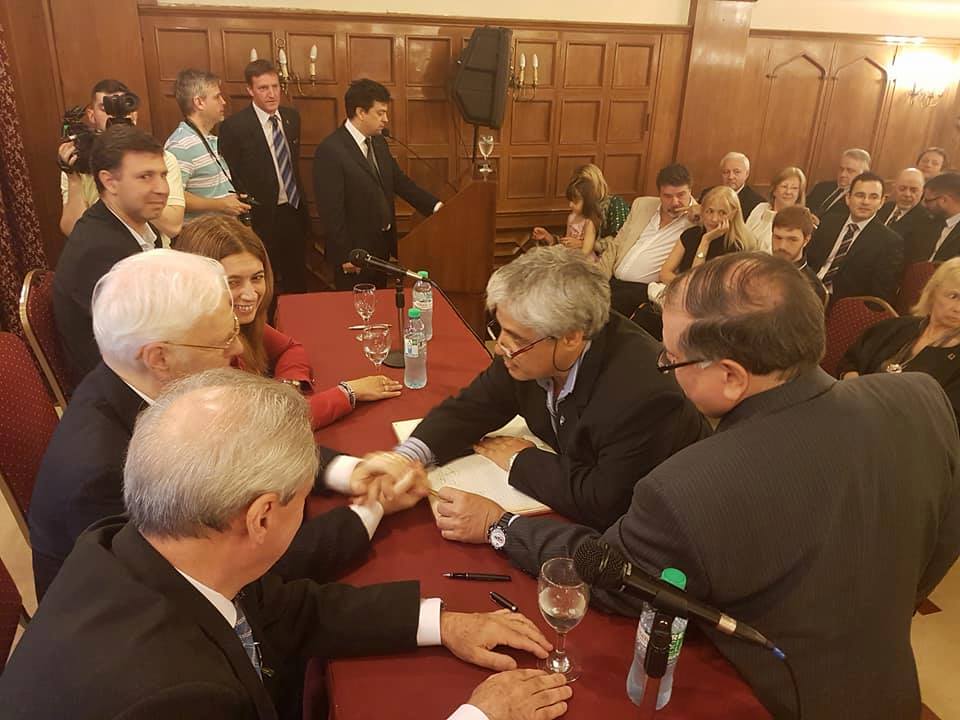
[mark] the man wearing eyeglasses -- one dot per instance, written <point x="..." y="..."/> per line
<point x="585" y="381"/>
<point x="941" y="198"/>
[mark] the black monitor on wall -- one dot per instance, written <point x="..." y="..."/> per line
<point x="480" y="85"/>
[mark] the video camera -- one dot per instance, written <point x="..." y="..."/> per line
<point x="246" y="218"/>
<point x="118" y="107"/>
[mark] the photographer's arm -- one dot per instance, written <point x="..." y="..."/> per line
<point x="228" y="204"/>
<point x="71" y="188"/>
<point x="170" y="221"/>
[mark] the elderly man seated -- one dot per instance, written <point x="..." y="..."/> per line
<point x="172" y="614"/>
<point x="734" y="173"/>
<point x="584" y="379"/>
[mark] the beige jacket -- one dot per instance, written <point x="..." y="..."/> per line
<point x="642" y="209"/>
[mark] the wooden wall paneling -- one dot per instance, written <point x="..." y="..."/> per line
<point x="666" y="106"/>
<point x="372" y="56"/>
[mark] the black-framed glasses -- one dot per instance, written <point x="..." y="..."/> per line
<point x="664" y="366"/>
<point x="493" y="330"/>
<point x="221" y="348"/>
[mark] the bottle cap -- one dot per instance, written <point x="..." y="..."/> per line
<point x="413" y="313"/>
<point x="424" y="274"/>
<point x="674" y="577"/>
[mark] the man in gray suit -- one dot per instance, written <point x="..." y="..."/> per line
<point x="820" y="512"/>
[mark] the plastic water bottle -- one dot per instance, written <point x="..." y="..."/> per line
<point x="423" y="301"/>
<point x="414" y="351"/>
<point x="637" y="679"/>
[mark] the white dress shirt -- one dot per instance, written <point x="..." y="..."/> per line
<point x="836" y="246"/>
<point x="760" y="224"/>
<point x="643" y="261"/>
<point x="951" y="224"/>
<point x="267" y="127"/>
<point x="147" y="240"/>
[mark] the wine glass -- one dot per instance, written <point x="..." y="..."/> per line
<point x="364" y="301"/>
<point x="563" y="599"/>
<point x="485" y="146"/>
<point x="376" y="343"/>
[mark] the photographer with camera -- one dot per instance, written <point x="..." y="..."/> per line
<point x="204" y="172"/>
<point x="111" y="102"/>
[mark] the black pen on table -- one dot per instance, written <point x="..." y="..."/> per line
<point x="477" y="576"/>
<point x="503" y="602"/>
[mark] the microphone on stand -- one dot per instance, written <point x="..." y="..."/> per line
<point x="361" y="258"/>
<point x="605" y="567"/>
<point x="386" y="134"/>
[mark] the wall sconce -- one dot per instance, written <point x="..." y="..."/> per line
<point x="926" y="75"/>
<point x="283" y="69"/>
<point x="517" y="84"/>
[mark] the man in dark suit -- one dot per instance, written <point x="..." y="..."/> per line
<point x="585" y="381"/>
<point x="173" y="614"/>
<point x="941" y="198"/>
<point x="792" y="232"/>
<point x="855" y="254"/>
<point x="355" y="179"/>
<point x="826" y="197"/>
<point x="735" y="171"/>
<point x="905" y="214"/>
<point x="261" y="145"/>
<point x="131" y="175"/>
<point x="785" y="517"/>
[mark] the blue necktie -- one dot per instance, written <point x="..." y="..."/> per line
<point x="284" y="163"/>
<point x="245" y="633"/>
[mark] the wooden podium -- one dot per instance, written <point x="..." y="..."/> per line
<point x="456" y="246"/>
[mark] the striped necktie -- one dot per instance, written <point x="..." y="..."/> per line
<point x="894" y="217"/>
<point x="842" y="251"/>
<point x="284" y="163"/>
<point x="245" y="633"/>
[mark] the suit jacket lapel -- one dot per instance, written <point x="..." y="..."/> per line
<point x="951" y="245"/>
<point x="121" y="397"/>
<point x="354" y="150"/>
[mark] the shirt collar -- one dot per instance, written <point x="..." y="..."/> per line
<point x="862" y="224"/>
<point x="953" y="220"/>
<point x="656" y="218"/>
<point x="570" y="382"/>
<point x="147" y="400"/>
<point x="358" y="136"/>
<point x="262" y="116"/>
<point x="147" y="241"/>
<point x="224" y="606"/>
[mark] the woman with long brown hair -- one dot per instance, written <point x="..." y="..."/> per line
<point x="267" y="351"/>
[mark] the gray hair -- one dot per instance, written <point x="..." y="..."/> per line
<point x="211" y="444"/>
<point x="553" y="291"/>
<point x="736" y="156"/>
<point x="191" y="83"/>
<point x="151" y="297"/>
<point x="861" y="156"/>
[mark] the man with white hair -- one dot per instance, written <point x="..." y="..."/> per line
<point x="173" y="614"/>
<point x="735" y="171"/>
<point x="827" y="197"/>
<point x="585" y="381"/>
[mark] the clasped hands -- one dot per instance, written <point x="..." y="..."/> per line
<point x="392" y="479"/>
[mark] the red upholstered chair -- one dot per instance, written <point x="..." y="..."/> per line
<point x="11" y="611"/>
<point x="847" y="318"/>
<point x="36" y="316"/>
<point x="915" y="278"/>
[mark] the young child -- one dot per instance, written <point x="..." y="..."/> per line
<point x="583" y="222"/>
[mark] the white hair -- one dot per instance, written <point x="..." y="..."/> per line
<point x="552" y="291"/>
<point x="861" y="156"/>
<point x="212" y="444"/>
<point x="736" y="156"/>
<point x="151" y="297"/>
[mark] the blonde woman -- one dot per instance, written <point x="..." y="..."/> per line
<point x="721" y="231"/>
<point x="789" y="188"/>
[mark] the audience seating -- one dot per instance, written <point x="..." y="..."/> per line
<point x="847" y="318"/>
<point x="11" y="611"/>
<point x="915" y="277"/>
<point x="36" y="316"/>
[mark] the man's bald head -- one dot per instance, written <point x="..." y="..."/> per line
<point x="908" y="189"/>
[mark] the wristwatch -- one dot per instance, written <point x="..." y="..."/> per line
<point x="497" y="533"/>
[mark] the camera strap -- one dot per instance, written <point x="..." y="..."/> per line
<point x="212" y="154"/>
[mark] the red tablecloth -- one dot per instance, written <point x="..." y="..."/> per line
<point x="431" y="683"/>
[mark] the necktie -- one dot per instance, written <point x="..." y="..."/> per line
<point x="284" y="163"/>
<point x="844" y="248"/>
<point x="894" y="216"/>
<point x="372" y="159"/>
<point x="830" y="201"/>
<point x="245" y="633"/>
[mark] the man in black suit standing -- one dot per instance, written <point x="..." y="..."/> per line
<point x="827" y="197"/>
<point x="355" y="179"/>
<point x="855" y="254"/>
<point x="261" y="145"/>
<point x="941" y="198"/>
<point x="820" y="512"/>
<point x="131" y="175"/>
<point x="735" y="171"/>
<point x="905" y="214"/>
<point x="173" y="614"/>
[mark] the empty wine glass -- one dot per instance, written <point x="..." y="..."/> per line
<point x="485" y="146"/>
<point x="376" y="343"/>
<point x="364" y="301"/>
<point x="563" y="599"/>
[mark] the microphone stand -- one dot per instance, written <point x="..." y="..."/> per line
<point x="394" y="358"/>
<point x="655" y="661"/>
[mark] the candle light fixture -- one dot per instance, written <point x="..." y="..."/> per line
<point x="517" y="82"/>
<point x="286" y="76"/>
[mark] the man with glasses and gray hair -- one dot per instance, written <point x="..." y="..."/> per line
<point x="585" y="381"/>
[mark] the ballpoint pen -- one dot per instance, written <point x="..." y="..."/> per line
<point x="477" y="576"/>
<point x="503" y="602"/>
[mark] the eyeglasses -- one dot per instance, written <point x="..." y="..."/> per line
<point x="927" y="200"/>
<point x="664" y="367"/>
<point x="493" y="330"/>
<point x="221" y="348"/>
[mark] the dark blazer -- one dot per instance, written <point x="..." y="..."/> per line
<point x="812" y="278"/>
<point x="622" y="419"/>
<point x="915" y="228"/>
<point x="81" y="482"/>
<point x="131" y="638"/>
<point x="749" y="199"/>
<point x="925" y="241"/>
<point x="250" y="160"/>
<point x="873" y="266"/>
<point x="98" y="241"/>
<point x="818" y="196"/>
<point x="811" y="515"/>
<point x="353" y="206"/>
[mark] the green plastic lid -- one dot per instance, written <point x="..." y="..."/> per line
<point x="415" y="313"/>
<point x="674" y="577"/>
<point x="424" y="274"/>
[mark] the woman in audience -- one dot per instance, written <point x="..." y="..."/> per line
<point x="267" y="351"/>
<point x="932" y="161"/>
<point x="927" y="341"/>
<point x="721" y="231"/>
<point x="787" y="189"/>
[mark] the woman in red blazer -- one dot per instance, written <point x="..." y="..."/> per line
<point x="266" y="350"/>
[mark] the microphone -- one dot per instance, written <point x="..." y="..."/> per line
<point x="386" y="133"/>
<point x="604" y="566"/>
<point x="361" y="258"/>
